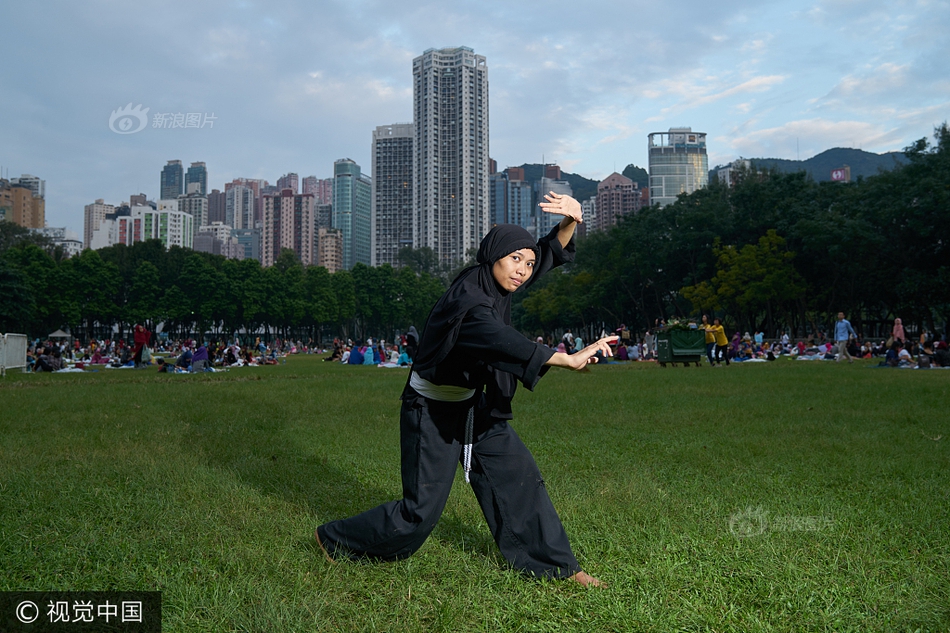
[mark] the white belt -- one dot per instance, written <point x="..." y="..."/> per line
<point x="442" y="393"/>
<point x="450" y="393"/>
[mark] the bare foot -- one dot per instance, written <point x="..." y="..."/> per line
<point x="586" y="580"/>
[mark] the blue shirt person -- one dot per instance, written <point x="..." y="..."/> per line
<point x="843" y="332"/>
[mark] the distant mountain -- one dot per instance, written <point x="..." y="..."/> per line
<point x="583" y="188"/>
<point x="819" y="167"/>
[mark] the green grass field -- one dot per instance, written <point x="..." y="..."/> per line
<point x="787" y="496"/>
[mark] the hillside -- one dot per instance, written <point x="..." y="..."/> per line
<point x="583" y="188"/>
<point x="819" y="166"/>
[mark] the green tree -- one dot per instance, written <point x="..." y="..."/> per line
<point x="756" y="279"/>
<point x="17" y="307"/>
<point x="95" y="286"/>
<point x="638" y="175"/>
<point x="144" y="297"/>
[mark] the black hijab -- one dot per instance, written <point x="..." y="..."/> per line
<point x="473" y="286"/>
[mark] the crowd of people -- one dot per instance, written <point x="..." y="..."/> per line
<point x="845" y="344"/>
<point x="378" y="353"/>
<point x="187" y="355"/>
<point x="145" y="350"/>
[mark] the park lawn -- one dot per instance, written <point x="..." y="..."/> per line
<point x="789" y="496"/>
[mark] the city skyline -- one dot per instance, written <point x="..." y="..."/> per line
<point x="776" y="80"/>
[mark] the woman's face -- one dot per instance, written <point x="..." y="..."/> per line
<point x="514" y="269"/>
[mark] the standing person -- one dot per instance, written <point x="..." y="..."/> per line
<point x="897" y="332"/>
<point x="568" y="340"/>
<point x="141" y="337"/>
<point x="456" y="407"/>
<point x="843" y="333"/>
<point x="719" y="336"/>
<point x="710" y="339"/>
<point x="412" y="342"/>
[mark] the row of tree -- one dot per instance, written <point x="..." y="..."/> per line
<point x="771" y="252"/>
<point x="189" y="292"/>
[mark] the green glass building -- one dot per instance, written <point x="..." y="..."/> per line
<point x="352" y="211"/>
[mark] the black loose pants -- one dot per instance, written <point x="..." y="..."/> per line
<point x="504" y="477"/>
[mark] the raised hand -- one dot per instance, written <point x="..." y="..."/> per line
<point x="562" y="204"/>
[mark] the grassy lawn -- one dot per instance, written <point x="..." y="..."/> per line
<point x="788" y="496"/>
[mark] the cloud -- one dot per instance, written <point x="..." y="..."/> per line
<point x="809" y="137"/>
<point x="883" y="80"/>
<point x="692" y="95"/>
<point x="296" y="85"/>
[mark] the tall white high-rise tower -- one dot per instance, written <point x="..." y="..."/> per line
<point x="451" y="196"/>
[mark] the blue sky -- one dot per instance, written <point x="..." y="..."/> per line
<point x="295" y="85"/>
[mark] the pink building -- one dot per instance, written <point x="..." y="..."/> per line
<point x="321" y="188"/>
<point x="617" y="196"/>
<point x="287" y="222"/>
<point x="288" y="181"/>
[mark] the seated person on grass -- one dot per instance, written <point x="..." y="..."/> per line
<point x="941" y="354"/>
<point x="199" y="360"/>
<point x="184" y="361"/>
<point x="42" y="361"/>
<point x="906" y="360"/>
<point x="269" y="357"/>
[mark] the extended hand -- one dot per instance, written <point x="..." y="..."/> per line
<point x="562" y="204"/>
<point x="580" y="360"/>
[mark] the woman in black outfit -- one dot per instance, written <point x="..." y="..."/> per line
<point x="456" y="407"/>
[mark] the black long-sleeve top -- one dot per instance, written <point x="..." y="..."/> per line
<point x="491" y="354"/>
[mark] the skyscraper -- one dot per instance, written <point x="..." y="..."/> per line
<point x="512" y="198"/>
<point x="678" y="164"/>
<point x="20" y="205"/>
<point x="257" y="186"/>
<point x="287" y="223"/>
<point x="198" y="176"/>
<point x="217" y="207"/>
<point x="166" y="223"/>
<point x="543" y="222"/>
<point x="330" y="249"/>
<point x="34" y="184"/>
<point x="392" y="192"/>
<point x="288" y="181"/>
<point x="321" y="188"/>
<point x="173" y="181"/>
<point x="93" y="216"/>
<point x="239" y="202"/>
<point x="352" y="211"/>
<point x="617" y="196"/>
<point x="196" y="205"/>
<point x="451" y="197"/>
